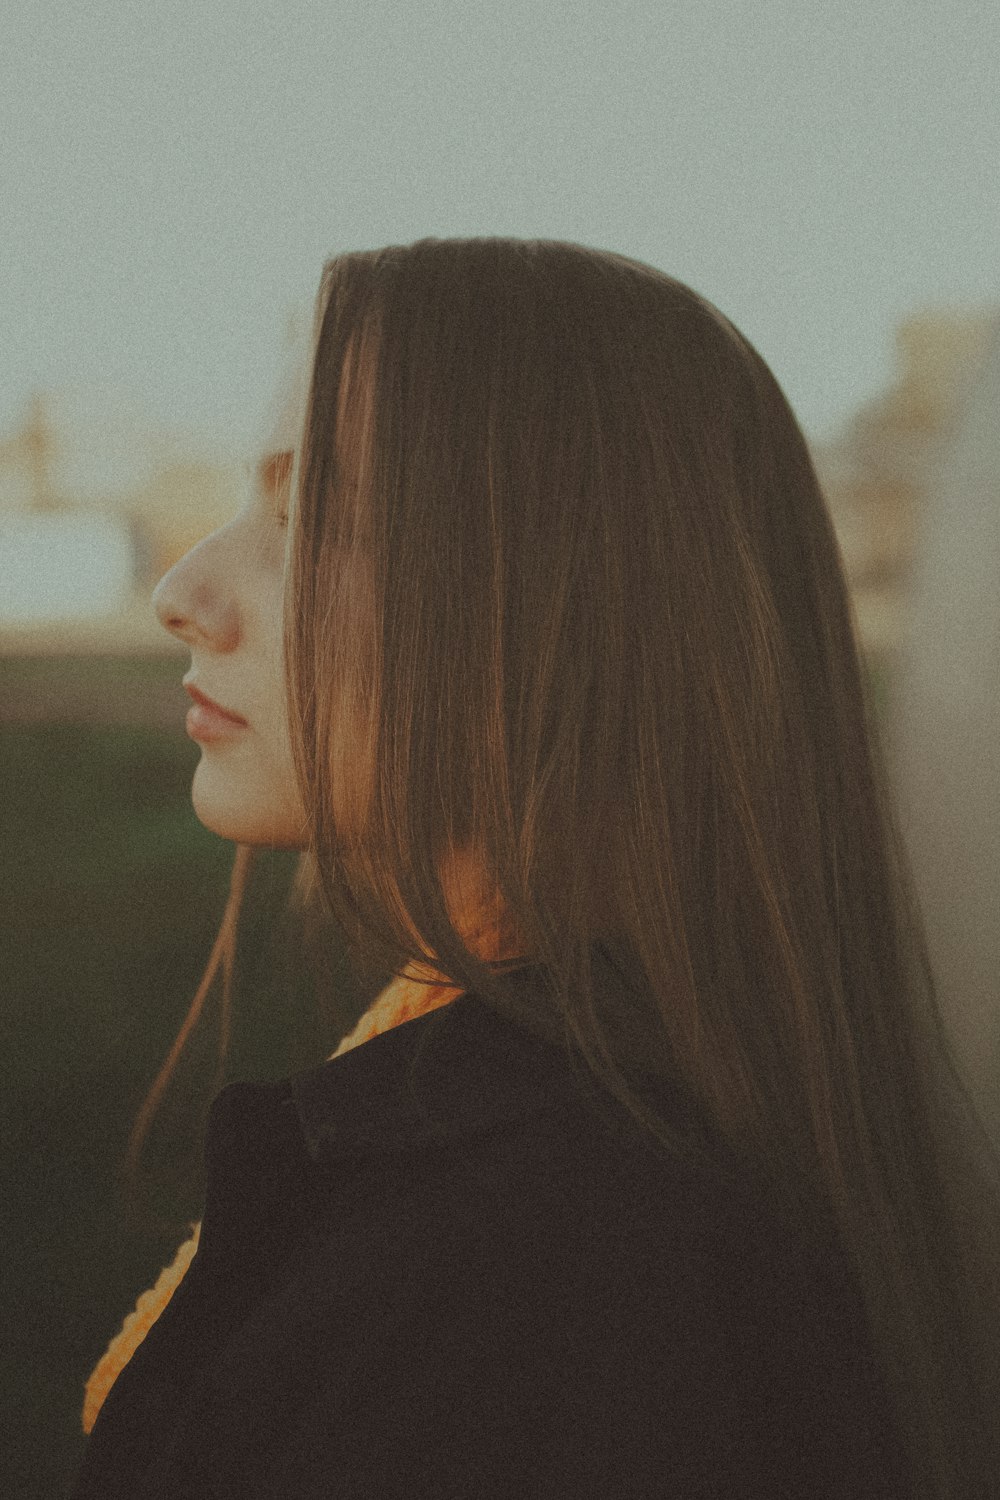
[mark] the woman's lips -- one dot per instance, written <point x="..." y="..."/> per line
<point x="209" y="724"/>
<point x="206" y="720"/>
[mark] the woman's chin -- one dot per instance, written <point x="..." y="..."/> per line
<point x="223" y="812"/>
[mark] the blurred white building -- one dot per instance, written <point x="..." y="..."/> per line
<point x="94" y="508"/>
<point x="946" y="723"/>
<point x="58" y="562"/>
<point x="878" y="471"/>
<point x="62" y="567"/>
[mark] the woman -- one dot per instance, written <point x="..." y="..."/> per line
<point x="635" y="1180"/>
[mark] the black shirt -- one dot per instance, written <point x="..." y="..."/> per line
<point x="431" y="1267"/>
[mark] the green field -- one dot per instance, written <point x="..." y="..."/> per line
<point x="111" y="894"/>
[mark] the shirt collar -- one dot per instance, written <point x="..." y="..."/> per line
<point x="464" y="1067"/>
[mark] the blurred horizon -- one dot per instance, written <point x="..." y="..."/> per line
<point x="96" y="504"/>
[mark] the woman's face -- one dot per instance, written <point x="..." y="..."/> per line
<point x="224" y="599"/>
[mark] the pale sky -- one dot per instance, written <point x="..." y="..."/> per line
<point x="173" y="174"/>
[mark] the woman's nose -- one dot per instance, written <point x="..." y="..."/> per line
<point x="193" y="610"/>
<point x="167" y="607"/>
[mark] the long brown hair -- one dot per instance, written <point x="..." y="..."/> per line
<point x="562" y="590"/>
